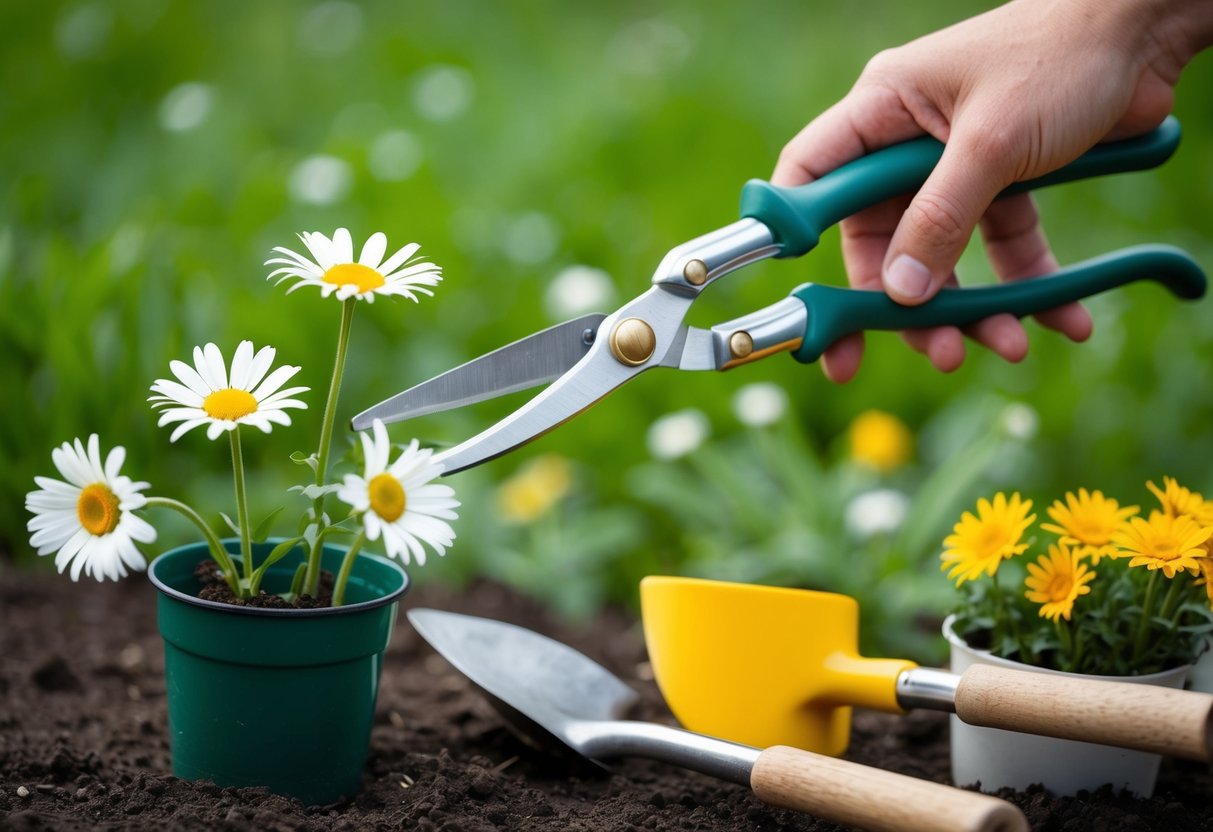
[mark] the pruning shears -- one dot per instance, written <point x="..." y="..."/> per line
<point x="588" y="357"/>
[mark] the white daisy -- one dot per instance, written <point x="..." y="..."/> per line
<point x="400" y="502"/>
<point x="333" y="268"/>
<point x="207" y="396"/>
<point x="87" y="520"/>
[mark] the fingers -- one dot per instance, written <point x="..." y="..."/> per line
<point x="1017" y="249"/>
<point x="936" y="227"/>
<point x="841" y="360"/>
<point x="868" y="118"/>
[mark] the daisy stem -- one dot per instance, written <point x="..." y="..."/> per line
<point x="347" y="566"/>
<point x="219" y="553"/>
<point x="1170" y="602"/>
<point x="326" y="440"/>
<point x="1143" y="628"/>
<point x="246" y="546"/>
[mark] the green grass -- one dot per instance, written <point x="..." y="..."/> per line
<point x="598" y="134"/>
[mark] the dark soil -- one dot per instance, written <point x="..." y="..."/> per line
<point x="84" y="745"/>
<point x="214" y="588"/>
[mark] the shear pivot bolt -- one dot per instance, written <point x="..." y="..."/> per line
<point x="632" y="342"/>
<point x="741" y="344"/>
<point x="696" y="272"/>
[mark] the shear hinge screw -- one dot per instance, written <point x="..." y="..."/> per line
<point x="696" y="272"/>
<point x="741" y="344"/>
<point x="632" y="342"/>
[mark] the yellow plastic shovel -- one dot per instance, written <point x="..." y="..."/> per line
<point x="767" y="665"/>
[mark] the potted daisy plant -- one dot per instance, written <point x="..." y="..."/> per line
<point x="1106" y="591"/>
<point x="273" y="649"/>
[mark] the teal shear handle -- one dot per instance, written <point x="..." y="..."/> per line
<point x="798" y="216"/>
<point x="833" y="312"/>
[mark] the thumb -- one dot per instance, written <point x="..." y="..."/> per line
<point x="934" y="230"/>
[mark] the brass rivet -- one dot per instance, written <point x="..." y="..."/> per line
<point x="632" y="341"/>
<point x="696" y="272"/>
<point x="741" y="344"/>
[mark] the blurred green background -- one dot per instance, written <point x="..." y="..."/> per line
<point x="153" y="153"/>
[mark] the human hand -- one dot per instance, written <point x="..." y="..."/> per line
<point x="1014" y="93"/>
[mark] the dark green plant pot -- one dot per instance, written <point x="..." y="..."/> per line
<point x="276" y="698"/>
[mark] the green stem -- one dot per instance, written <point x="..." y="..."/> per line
<point x="218" y="552"/>
<point x="347" y="566"/>
<point x="246" y="545"/>
<point x="326" y="439"/>
<point x="1171" y="600"/>
<point x="1143" y="628"/>
<point x="1067" y="644"/>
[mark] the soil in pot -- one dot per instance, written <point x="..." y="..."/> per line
<point x="83" y="731"/>
<point x="212" y="587"/>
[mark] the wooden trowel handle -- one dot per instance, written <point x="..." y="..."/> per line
<point x="871" y="798"/>
<point x="1142" y="717"/>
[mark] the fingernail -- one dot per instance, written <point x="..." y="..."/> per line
<point x="907" y="278"/>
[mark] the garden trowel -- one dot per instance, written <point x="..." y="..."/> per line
<point x="760" y="664"/>
<point x="552" y="694"/>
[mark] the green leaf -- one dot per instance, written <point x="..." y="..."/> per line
<point x="276" y="554"/>
<point x="231" y="524"/>
<point x="310" y="460"/>
<point x="315" y="492"/>
<point x="263" y="528"/>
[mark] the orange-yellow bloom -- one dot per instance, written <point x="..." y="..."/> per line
<point x="1172" y="544"/>
<point x="1087" y="522"/>
<point x="880" y="440"/>
<point x="978" y="544"/>
<point x="1056" y="580"/>
<point x="1178" y="501"/>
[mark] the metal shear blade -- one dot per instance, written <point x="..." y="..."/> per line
<point x="595" y="375"/>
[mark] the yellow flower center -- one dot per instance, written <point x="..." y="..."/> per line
<point x="229" y="404"/>
<point x="993" y="539"/>
<point x="1060" y="586"/>
<point x="354" y="274"/>
<point x="387" y="497"/>
<point x="97" y="509"/>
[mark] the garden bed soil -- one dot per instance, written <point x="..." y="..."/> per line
<point x="84" y="742"/>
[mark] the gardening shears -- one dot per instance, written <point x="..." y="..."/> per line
<point x="587" y="358"/>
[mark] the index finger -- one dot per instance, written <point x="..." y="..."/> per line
<point x="868" y="118"/>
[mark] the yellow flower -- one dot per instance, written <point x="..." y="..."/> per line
<point x="1088" y="521"/>
<point x="1206" y="577"/>
<point x="979" y="544"/>
<point x="531" y="493"/>
<point x="1178" y="501"/>
<point x="1056" y="580"/>
<point x="880" y="440"/>
<point x="1171" y="544"/>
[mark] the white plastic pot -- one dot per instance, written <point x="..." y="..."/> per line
<point x="995" y="759"/>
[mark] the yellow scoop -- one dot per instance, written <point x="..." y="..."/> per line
<point x="767" y="665"/>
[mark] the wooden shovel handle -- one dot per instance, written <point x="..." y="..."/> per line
<point x="872" y="798"/>
<point x="1142" y="717"/>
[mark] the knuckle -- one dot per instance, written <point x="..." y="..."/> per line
<point x="880" y="65"/>
<point x="936" y="218"/>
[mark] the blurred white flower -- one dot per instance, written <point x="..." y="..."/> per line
<point x="330" y="28"/>
<point x="320" y="180"/>
<point x="442" y="93"/>
<point x="578" y="290"/>
<point x="186" y="106"/>
<point x="876" y="512"/>
<point x="83" y="31"/>
<point x="648" y="47"/>
<point x="86" y="519"/>
<point x="760" y="404"/>
<point x="394" y="156"/>
<point x="1020" y="421"/>
<point x="530" y="239"/>
<point x="677" y="434"/>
